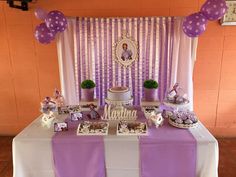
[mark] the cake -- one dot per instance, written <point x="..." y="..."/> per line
<point x="119" y="95"/>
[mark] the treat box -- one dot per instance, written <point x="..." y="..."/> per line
<point x="88" y="131"/>
<point x="68" y="109"/>
<point x="128" y="132"/>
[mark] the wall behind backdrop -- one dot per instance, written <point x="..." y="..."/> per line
<point x="29" y="70"/>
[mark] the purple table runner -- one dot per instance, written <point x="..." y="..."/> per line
<point x="78" y="156"/>
<point x="168" y="152"/>
<point x="165" y="152"/>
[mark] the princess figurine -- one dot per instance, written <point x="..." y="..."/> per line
<point x="58" y="98"/>
<point x="93" y="114"/>
<point x="48" y="105"/>
<point x="176" y="95"/>
<point x="175" y="89"/>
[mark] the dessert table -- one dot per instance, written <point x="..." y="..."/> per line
<point x="33" y="156"/>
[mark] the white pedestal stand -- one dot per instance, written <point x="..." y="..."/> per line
<point x="145" y="103"/>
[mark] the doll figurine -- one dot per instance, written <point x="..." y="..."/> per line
<point x="176" y="95"/>
<point x="175" y="89"/>
<point x="48" y="105"/>
<point x="48" y="100"/>
<point x="58" y="98"/>
<point x="93" y="114"/>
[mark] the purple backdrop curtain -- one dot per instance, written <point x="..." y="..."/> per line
<point x="95" y="38"/>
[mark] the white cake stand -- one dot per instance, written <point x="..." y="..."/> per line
<point x="177" y="106"/>
<point x="119" y="103"/>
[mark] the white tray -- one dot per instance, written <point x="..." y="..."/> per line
<point x="119" y="103"/>
<point x="79" y="133"/>
<point x="177" y="106"/>
<point x="133" y="133"/>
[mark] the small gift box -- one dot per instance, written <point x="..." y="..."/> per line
<point x="75" y="116"/>
<point x="60" y="126"/>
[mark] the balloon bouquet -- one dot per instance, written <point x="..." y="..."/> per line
<point x="54" y="22"/>
<point x="195" y="24"/>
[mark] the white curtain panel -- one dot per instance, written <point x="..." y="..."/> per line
<point x="166" y="54"/>
<point x="66" y="51"/>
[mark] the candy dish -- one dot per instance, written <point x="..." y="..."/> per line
<point x="183" y="119"/>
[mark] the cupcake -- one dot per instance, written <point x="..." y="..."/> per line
<point x="179" y="121"/>
<point x="173" y="117"/>
<point x="188" y="121"/>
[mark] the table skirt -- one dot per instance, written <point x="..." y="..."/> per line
<point x="32" y="153"/>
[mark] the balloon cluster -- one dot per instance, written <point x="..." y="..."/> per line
<point x="195" y="24"/>
<point x="54" y="22"/>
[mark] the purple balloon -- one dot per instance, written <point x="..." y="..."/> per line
<point x="43" y="34"/>
<point x="40" y="13"/>
<point x="56" y="21"/>
<point x="194" y="24"/>
<point x="214" y="9"/>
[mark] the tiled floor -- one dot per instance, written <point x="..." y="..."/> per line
<point x="227" y="165"/>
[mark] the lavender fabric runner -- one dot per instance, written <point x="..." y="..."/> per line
<point x="78" y="156"/>
<point x="168" y="152"/>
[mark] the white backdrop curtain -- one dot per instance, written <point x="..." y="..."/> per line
<point x="166" y="54"/>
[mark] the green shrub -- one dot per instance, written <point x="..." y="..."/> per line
<point x="150" y="84"/>
<point x="87" y="84"/>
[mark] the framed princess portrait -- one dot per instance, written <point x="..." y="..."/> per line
<point x="125" y="51"/>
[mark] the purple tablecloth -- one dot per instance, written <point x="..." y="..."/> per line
<point x="168" y="152"/>
<point x="78" y="156"/>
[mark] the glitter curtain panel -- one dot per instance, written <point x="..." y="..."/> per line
<point x="95" y="38"/>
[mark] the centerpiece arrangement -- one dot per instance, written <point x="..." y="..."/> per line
<point x="150" y="90"/>
<point x="87" y="89"/>
<point x="119" y="105"/>
<point x="178" y="114"/>
<point x="87" y="95"/>
<point x="52" y="103"/>
<point x="119" y="111"/>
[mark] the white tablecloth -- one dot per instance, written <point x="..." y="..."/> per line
<point x="32" y="153"/>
